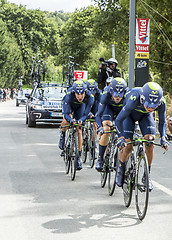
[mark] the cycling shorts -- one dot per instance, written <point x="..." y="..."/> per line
<point x="146" y="124"/>
<point x="109" y="114"/>
<point x="78" y="111"/>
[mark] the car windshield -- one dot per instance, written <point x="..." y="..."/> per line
<point x="22" y="92"/>
<point x="49" y="92"/>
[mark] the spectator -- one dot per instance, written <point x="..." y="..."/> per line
<point x="4" y="95"/>
<point x="169" y="124"/>
<point x="107" y="69"/>
<point x="1" y="95"/>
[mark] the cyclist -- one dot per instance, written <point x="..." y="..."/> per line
<point x="106" y="71"/>
<point x="93" y="88"/>
<point x="110" y="105"/>
<point x="76" y="107"/>
<point x="138" y="106"/>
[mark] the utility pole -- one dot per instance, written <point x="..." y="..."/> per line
<point x="132" y="22"/>
<point x="113" y="50"/>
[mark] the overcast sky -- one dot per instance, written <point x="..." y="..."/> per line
<point x="54" y="5"/>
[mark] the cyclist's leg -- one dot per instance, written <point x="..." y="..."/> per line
<point x="148" y="129"/>
<point x="106" y="119"/>
<point x="62" y="135"/>
<point x="78" y="113"/>
<point x="128" y="126"/>
<point x="94" y="111"/>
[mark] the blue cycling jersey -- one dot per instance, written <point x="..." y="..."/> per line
<point x="79" y="109"/>
<point x="133" y="110"/>
<point x="97" y="98"/>
<point x="107" y="107"/>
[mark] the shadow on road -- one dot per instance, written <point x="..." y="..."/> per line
<point x="75" y="223"/>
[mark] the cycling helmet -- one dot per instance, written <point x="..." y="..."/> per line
<point x="92" y="86"/>
<point x="79" y="87"/>
<point x="151" y="95"/>
<point x="109" y="79"/>
<point x="117" y="87"/>
<point x="113" y="60"/>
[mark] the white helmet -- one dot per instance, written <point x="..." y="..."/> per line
<point x="109" y="79"/>
<point x="113" y="60"/>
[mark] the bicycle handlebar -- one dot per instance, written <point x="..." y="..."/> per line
<point x="139" y="140"/>
<point x="76" y="124"/>
<point x="90" y="120"/>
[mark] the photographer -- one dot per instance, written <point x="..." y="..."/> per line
<point x="107" y="69"/>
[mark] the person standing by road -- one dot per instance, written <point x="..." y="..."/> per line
<point x="107" y="69"/>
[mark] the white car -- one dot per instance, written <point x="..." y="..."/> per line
<point x="21" y="99"/>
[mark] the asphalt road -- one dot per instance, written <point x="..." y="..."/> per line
<point x="39" y="201"/>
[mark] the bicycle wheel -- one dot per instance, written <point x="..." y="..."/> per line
<point x="67" y="160"/>
<point x="142" y="186"/>
<point x="84" y="146"/>
<point x="92" y="148"/>
<point x="74" y="156"/>
<point x="113" y="165"/>
<point x="103" y="174"/>
<point x="84" y="152"/>
<point x="127" y="185"/>
<point x="105" y="171"/>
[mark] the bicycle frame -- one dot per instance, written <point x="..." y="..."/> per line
<point x="108" y="159"/>
<point x="89" y="143"/>
<point x="71" y="150"/>
<point x="136" y="177"/>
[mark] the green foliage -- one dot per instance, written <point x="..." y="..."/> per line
<point x="78" y="37"/>
<point x="11" y="64"/>
<point x="87" y="34"/>
<point x="93" y="61"/>
<point x="58" y="17"/>
<point x="33" y="32"/>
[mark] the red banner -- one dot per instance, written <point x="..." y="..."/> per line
<point x="79" y="75"/>
<point x="142" y="29"/>
<point x="142" y="48"/>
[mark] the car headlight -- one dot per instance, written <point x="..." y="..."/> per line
<point x="37" y="107"/>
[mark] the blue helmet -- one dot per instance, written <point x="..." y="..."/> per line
<point x="92" y="86"/>
<point x="151" y="95"/>
<point x="79" y="87"/>
<point x="117" y="87"/>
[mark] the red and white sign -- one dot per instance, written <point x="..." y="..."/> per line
<point x="142" y="48"/>
<point x="79" y="75"/>
<point x="142" y="34"/>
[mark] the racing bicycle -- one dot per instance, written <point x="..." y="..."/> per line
<point x="71" y="152"/>
<point x="136" y="177"/>
<point x="110" y="161"/>
<point x="89" y="142"/>
<point x="69" y="72"/>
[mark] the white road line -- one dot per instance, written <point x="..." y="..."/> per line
<point x="162" y="188"/>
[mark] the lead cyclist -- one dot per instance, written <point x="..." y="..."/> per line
<point x="138" y="106"/>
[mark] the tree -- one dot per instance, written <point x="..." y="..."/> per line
<point x="11" y="64"/>
<point x="78" y="37"/>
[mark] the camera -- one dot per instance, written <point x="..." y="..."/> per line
<point x="104" y="63"/>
